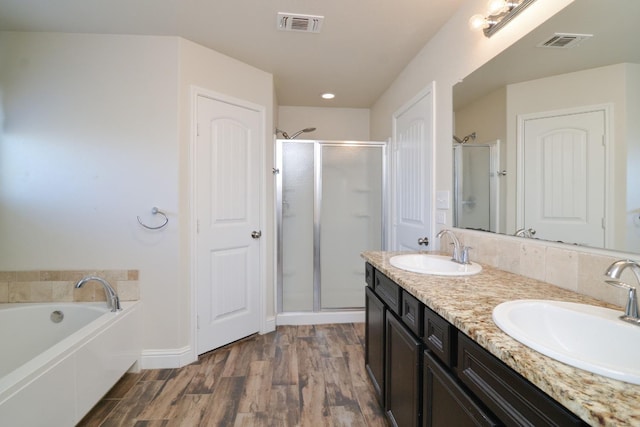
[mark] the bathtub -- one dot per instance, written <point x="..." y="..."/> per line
<point x="57" y="360"/>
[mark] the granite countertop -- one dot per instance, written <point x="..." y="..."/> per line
<point x="468" y="301"/>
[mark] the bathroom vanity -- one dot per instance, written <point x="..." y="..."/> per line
<point x="436" y="358"/>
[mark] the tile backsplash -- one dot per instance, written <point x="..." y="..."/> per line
<point x="59" y="285"/>
<point x="576" y="268"/>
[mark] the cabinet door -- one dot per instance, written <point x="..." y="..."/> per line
<point x="403" y="374"/>
<point x="505" y="392"/>
<point x="374" y="342"/>
<point x="445" y="403"/>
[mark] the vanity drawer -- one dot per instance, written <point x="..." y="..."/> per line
<point x="507" y="394"/>
<point x="368" y="274"/>
<point x="440" y="337"/>
<point x="388" y="291"/>
<point x="412" y="313"/>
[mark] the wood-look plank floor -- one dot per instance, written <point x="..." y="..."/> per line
<point x="296" y="376"/>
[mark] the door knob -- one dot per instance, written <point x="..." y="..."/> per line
<point x="423" y="241"/>
<point x="256" y="234"/>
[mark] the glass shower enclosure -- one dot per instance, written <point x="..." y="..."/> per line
<point x="477" y="186"/>
<point x="329" y="210"/>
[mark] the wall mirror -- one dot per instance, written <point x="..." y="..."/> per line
<point x="565" y="103"/>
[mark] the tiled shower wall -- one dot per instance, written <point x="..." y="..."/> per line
<point x="59" y="285"/>
<point x="578" y="269"/>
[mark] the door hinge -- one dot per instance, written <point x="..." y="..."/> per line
<point x="197" y="226"/>
<point x="197" y="321"/>
<point x="604" y="226"/>
<point x="197" y="129"/>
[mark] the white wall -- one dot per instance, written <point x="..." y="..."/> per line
<point x="88" y="144"/>
<point x="487" y="117"/>
<point x="96" y="131"/>
<point x="452" y="54"/>
<point x="351" y="124"/>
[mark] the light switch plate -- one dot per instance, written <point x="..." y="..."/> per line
<point x="442" y="200"/>
<point x="441" y="218"/>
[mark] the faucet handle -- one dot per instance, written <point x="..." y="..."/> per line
<point x="619" y="284"/>
<point x="631" y="309"/>
<point x="455" y="254"/>
<point x="464" y="255"/>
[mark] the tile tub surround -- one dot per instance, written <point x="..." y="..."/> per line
<point x="59" y="285"/>
<point x="468" y="302"/>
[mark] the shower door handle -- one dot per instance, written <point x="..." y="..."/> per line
<point x="256" y="234"/>
<point x="423" y="241"/>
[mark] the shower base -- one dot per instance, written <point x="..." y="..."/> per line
<point x="309" y="318"/>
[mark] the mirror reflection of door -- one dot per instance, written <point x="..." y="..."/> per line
<point x="563" y="176"/>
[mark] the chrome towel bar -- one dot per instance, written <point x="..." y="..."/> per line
<point x="155" y="211"/>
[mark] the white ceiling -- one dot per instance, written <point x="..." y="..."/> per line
<point x="363" y="45"/>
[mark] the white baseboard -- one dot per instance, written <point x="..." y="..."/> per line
<point x="305" y="318"/>
<point x="269" y="325"/>
<point x="166" y="358"/>
<point x="179" y="357"/>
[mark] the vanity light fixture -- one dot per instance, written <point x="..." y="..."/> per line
<point x="499" y="13"/>
<point x="328" y="95"/>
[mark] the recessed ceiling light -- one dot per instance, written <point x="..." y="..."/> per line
<point x="328" y="95"/>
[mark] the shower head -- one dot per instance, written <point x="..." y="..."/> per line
<point x="299" y="132"/>
<point x="471" y="137"/>
<point x="284" y="134"/>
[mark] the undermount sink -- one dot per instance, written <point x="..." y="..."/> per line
<point x="584" y="336"/>
<point x="434" y="264"/>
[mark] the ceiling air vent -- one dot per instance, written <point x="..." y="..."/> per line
<point x="564" y="40"/>
<point x="297" y="22"/>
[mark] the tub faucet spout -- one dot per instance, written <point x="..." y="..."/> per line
<point x="112" y="297"/>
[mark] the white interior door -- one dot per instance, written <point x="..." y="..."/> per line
<point x="413" y="173"/>
<point x="563" y="177"/>
<point x="228" y="222"/>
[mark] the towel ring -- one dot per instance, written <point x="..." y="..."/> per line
<point x="155" y="211"/>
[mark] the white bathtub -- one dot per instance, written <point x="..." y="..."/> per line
<point x="52" y="374"/>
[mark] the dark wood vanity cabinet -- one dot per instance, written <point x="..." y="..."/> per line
<point x="403" y="375"/>
<point x="374" y="342"/>
<point x="393" y="353"/>
<point x="445" y="402"/>
<point x="388" y="291"/>
<point x="440" y="337"/>
<point x="428" y="373"/>
<point x="508" y="395"/>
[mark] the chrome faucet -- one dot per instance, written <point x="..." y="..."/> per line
<point x="112" y="298"/>
<point x="460" y="253"/>
<point x="614" y="272"/>
<point x="525" y="232"/>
